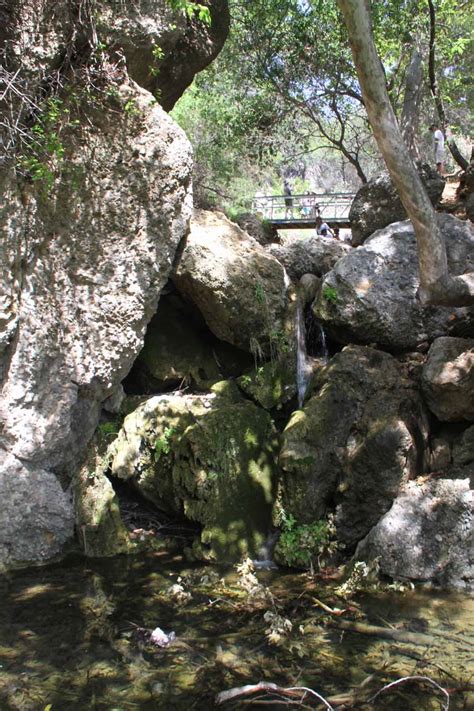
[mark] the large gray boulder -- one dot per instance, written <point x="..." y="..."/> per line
<point x="356" y="441"/>
<point x="377" y="203"/>
<point x="428" y="535"/>
<point x="370" y="296"/>
<point x="448" y="379"/>
<point x="89" y="236"/>
<point x="36" y="515"/>
<point x="240" y="289"/>
<point x="314" y="255"/>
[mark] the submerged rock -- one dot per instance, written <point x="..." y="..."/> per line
<point x="209" y="458"/>
<point x="357" y="440"/>
<point x="371" y="294"/>
<point x="428" y="534"/>
<point x="448" y="379"/>
<point x="240" y="289"/>
<point x="377" y="203"/>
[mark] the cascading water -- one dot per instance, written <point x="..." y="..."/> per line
<point x="310" y="337"/>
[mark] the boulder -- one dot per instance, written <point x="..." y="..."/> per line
<point x="371" y="294"/>
<point x="240" y="289"/>
<point x="89" y="235"/>
<point x="463" y="450"/>
<point x="185" y="44"/>
<point x="448" y="379"/>
<point x="428" y="535"/>
<point x="314" y="255"/>
<point x="377" y="203"/>
<point x="356" y="441"/>
<point x="36" y="515"/>
<point x="210" y="458"/>
<point x="272" y="384"/>
<point x="257" y="228"/>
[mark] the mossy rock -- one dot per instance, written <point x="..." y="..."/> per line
<point x="271" y="385"/>
<point x="211" y="458"/>
<point x="99" y="525"/>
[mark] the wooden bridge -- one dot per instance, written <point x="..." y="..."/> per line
<point x="300" y="211"/>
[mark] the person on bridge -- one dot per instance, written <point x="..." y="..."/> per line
<point x="288" y="200"/>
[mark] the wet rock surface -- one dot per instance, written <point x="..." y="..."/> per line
<point x="356" y="441"/>
<point x="211" y="458"/>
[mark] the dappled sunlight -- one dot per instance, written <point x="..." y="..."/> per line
<point x="86" y="642"/>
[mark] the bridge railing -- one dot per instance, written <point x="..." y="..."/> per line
<point x="291" y="208"/>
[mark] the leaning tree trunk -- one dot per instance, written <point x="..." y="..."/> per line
<point x="436" y="286"/>
<point x="411" y="103"/>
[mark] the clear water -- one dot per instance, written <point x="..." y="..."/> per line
<point x="69" y="638"/>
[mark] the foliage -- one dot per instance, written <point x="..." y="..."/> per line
<point x="42" y="157"/>
<point x="192" y="9"/>
<point x="303" y="545"/>
<point x="163" y="443"/>
<point x="330" y="293"/>
<point x="283" y="100"/>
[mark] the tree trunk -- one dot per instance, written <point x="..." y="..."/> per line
<point x="411" y="103"/>
<point x="436" y="286"/>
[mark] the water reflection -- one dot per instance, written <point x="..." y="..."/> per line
<point x="71" y="635"/>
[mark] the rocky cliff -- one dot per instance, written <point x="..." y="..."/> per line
<point x="96" y="197"/>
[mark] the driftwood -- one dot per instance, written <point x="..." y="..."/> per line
<point x="294" y="692"/>
<point x="419" y="638"/>
<point x="298" y="694"/>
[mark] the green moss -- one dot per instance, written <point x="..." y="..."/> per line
<point x="271" y="384"/>
<point x="225" y="471"/>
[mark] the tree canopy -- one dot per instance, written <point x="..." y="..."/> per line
<point x="284" y="99"/>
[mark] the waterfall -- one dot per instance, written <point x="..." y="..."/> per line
<point x="310" y="337"/>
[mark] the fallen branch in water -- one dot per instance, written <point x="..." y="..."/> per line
<point x="374" y="631"/>
<point x="413" y="678"/>
<point x="332" y="611"/>
<point x="294" y="692"/>
<point x="299" y="694"/>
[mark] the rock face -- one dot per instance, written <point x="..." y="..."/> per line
<point x="36" y="515"/>
<point x="428" y="534"/>
<point x="185" y="45"/>
<point x="370" y="295"/>
<point x="89" y="242"/>
<point x="314" y="255"/>
<point x="260" y="230"/>
<point x="377" y="204"/>
<point x="356" y="441"/>
<point x="448" y="379"/>
<point x="239" y="288"/>
<point x="210" y="458"/>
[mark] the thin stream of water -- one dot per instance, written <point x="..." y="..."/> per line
<point x="308" y="330"/>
